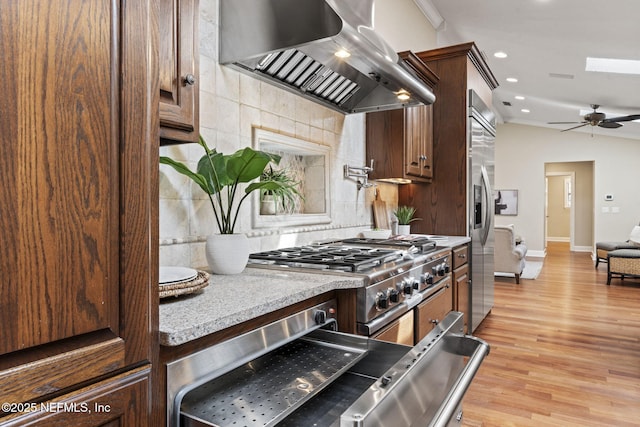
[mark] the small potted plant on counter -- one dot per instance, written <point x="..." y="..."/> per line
<point x="219" y="176"/>
<point x="282" y="199"/>
<point x="405" y="214"/>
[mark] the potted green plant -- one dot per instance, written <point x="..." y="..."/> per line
<point x="282" y="199"/>
<point x="219" y="176"/>
<point x="405" y="214"/>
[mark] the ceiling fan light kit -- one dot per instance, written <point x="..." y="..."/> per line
<point x="599" y="119"/>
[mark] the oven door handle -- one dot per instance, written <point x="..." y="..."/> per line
<point x="452" y="401"/>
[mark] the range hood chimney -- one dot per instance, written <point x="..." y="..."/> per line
<point x="324" y="50"/>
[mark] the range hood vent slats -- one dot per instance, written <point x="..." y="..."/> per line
<point x="299" y="56"/>
<point x="302" y="66"/>
<point x="339" y="90"/>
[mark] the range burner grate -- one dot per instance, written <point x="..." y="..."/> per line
<point x="329" y="257"/>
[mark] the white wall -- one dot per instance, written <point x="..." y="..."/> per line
<point x="231" y="103"/>
<point x="521" y="154"/>
<point x="403" y="25"/>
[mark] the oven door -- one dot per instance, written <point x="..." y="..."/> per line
<point x="327" y="378"/>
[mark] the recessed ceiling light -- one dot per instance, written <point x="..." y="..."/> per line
<point x="512" y="80"/>
<point x="519" y="97"/>
<point x="608" y="65"/>
<point x="524" y="110"/>
<point x="500" y="55"/>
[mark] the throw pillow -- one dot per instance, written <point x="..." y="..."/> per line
<point x="635" y="235"/>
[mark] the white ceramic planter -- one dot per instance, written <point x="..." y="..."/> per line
<point x="227" y="253"/>
<point x="404" y="229"/>
<point x="268" y="205"/>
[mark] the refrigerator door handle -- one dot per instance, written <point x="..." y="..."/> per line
<point x="486" y="219"/>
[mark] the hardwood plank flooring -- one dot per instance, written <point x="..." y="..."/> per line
<point x="565" y="349"/>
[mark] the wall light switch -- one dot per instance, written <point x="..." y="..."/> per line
<point x="605" y="209"/>
<point x="615" y="209"/>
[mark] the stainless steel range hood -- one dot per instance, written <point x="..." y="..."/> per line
<point x="294" y="44"/>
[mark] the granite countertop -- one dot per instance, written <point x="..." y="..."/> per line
<point x="229" y="300"/>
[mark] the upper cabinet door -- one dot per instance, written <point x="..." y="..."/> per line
<point x="179" y="71"/>
<point x="79" y="132"/>
<point x="419" y="141"/>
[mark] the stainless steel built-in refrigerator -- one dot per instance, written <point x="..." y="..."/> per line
<point x="481" y="172"/>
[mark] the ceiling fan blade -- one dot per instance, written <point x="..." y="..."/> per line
<point x="575" y="127"/>
<point x="563" y="123"/>
<point x="610" y="125"/>
<point x="623" y="118"/>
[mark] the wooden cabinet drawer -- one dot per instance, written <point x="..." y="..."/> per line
<point x="460" y="256"/>
<point x="400" y="331"/>
<point x="430" y="312"/>
<point x="119" y="401"/>
<point x="461" y="292"/>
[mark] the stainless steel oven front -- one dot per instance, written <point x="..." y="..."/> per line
<point x="299" y="371"/>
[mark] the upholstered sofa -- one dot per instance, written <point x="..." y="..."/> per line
<point x="509" y="256"/>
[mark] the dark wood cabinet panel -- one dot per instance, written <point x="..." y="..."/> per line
<point x="179" y="70"/>
<point x="442" y="205"/>
<point x="58" y="203"/>
<point x="119" y="401"/>
<point x="78" y="154"/>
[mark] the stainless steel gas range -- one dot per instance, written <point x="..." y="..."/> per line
<point x="398" y="273"/>
<point x="300" y="371"/>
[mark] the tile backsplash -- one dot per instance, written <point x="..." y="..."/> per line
<point x="231" y="104"/>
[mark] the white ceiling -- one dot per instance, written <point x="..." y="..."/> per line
<point x="543" y="37"/>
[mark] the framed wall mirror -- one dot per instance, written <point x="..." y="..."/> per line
<point x="303" y="163"/>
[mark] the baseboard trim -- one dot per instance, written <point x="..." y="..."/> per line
<point x="536" y="254"/>
<point x="583" y="249"/>
<point x="558" y="239"/>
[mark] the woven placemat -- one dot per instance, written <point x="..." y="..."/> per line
<point x="184" y="288"/>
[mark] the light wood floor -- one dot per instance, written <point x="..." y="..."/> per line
<point x="565" y="349"/>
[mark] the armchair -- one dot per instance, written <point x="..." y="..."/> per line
<point x="509" y="257"/>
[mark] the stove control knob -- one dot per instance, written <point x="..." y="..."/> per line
<point x="320" y="317"/>
<point x="407" y="287"/>
<point x="382" y="301"/>
<point x="447" y="269"/>
<point x="416" y="284"/>
<point x="394" y="295"/>
<point x="427" y="278"/>
<point x="441" y="268"/>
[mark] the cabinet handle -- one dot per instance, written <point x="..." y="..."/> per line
<point x="462" y="256"/>
<point x="190" y="79"/>
<point x="423" y="157"/>
<point x="435" y="321"/>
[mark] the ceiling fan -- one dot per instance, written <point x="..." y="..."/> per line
<point x="597" y="118"/>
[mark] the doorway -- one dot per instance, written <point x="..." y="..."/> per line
<point x="569" y="204"/>
<point x="559" y="208"/>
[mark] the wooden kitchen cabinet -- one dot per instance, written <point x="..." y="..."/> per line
<point x="118" y="401"/>
<point x="179" y="71"/>
<point x="461" y="279"/>
<point x="400" y="141"/>
<point x="431" y="311"/>
<point x="399" y="331"/>
<point x="79" y="149"/>
<point x="443" y="204"/>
